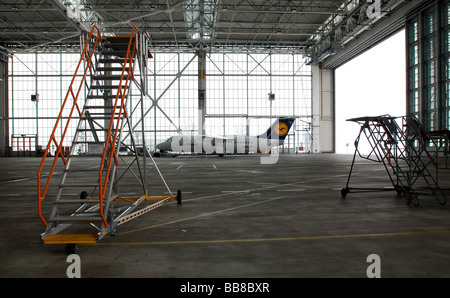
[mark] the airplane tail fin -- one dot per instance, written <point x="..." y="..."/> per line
<point x="279" y="129"/>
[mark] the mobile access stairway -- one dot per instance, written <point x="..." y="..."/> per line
<point x="89" y="202"/>
<point x="407" y="152"/>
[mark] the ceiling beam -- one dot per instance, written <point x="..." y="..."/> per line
<point x="63" y="10"/>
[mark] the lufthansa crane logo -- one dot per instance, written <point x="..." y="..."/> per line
<point x="281" y="129"/>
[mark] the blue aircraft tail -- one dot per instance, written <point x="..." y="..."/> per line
<point x="279" y="129"/>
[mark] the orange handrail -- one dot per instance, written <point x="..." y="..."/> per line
<point x="112" y="141"/>
<point x="70" y="94"/>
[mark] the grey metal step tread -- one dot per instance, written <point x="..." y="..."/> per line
<point x="77" y="218"/>
<point x="90" y="129"/>
<point x="94" y="115"/>
<point x="109" y="60"/>
<point x="82" y="170"/>
<point x="102" y="96"/>
<point x="124" y="42"/>
<point x="100" y="117"/>
<point x="77" y="201"/>
<point x="99" y="107"/>
<point x="115" y="49"/>
<point x="119" y="54"/>
<point x="110" y="77"/>
<point x="112" y="68"/>
<point x="87" y="155"/>
<point x="109" y="44"/>
<point x="107" y="87"/>
<point x="78" y="184"/>
<point x="88" y="142"/>
<point x="102" y="112"/>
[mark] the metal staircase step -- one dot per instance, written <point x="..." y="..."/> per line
<point x="112" y="68"/>
<point x="92" y="114"/>
<point x="118" y="42"/>
<point x="88" y="142"/>
<point x="75" y="219"/>
<point x="86" y="155"/>
<point x="104" y="96"/>
<point x="78" y="184"/>
<point x="115" y="52"/>
<point x="109" y="60"/>
<point x="87" y="107"/>
<point x="76" y="201"/>
<point x="106" y="117"/>
<point x="90" y="129"/>
<point x="82" y="170"/>
<point x="110" y="77"/>
<point x="114" y="42"/>
<point x="107" y="87"/>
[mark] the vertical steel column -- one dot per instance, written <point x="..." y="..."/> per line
<point x="420" y="37"/>
<point x="4" y="109"/>
<point x="439" y="115"/>
<point x="37" y="103"/>
<point x="201" y="54"/>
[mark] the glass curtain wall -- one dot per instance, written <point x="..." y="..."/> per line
<point x="238" y="88"/>
<point x="38" y="83"/>
<point x="428" y="67"/>
<point x="237" y="96"/>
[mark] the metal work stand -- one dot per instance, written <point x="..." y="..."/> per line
<point x="90" y="202"/>
<point x="407" y="153"/>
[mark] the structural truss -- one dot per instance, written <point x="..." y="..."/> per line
<point x="309" y="27"/>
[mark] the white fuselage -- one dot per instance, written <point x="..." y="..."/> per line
<point x="217" y="145"/>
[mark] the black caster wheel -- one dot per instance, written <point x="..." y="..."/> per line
<point x="179" y="197"/>
<point x="442" y="201"/>
<point x="71" y="248"/>
<point x="412" y="200"/>
<point x="83" y="195"/>
<point x="399" y="191"/>
<point x="344" y="192"/>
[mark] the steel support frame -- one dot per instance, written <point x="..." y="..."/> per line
<point x="401" y="148"/>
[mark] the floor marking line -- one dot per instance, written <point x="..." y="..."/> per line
<point x="265" y="187"/>
<point x="323" y="237"/>
<point x="27" y="178"/>
<point x="16" y="180"/>
<point x="199" y="216"/>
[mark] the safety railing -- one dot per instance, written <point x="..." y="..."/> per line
<point x="124" y="81"/>
<point x="94" y="40"/>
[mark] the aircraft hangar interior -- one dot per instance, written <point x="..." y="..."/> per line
<point x="199" y="139"/>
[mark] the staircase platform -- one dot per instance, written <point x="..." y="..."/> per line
<point x="70" y="238"/>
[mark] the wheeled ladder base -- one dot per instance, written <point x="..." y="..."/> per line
<point x="72" y="240"/>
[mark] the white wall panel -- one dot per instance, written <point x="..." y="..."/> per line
<point x="323" y="109"/>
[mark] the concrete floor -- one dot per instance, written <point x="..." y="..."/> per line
<point x="240" y="218"/>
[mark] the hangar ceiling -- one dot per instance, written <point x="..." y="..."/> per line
<point x="308" y="27"/>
